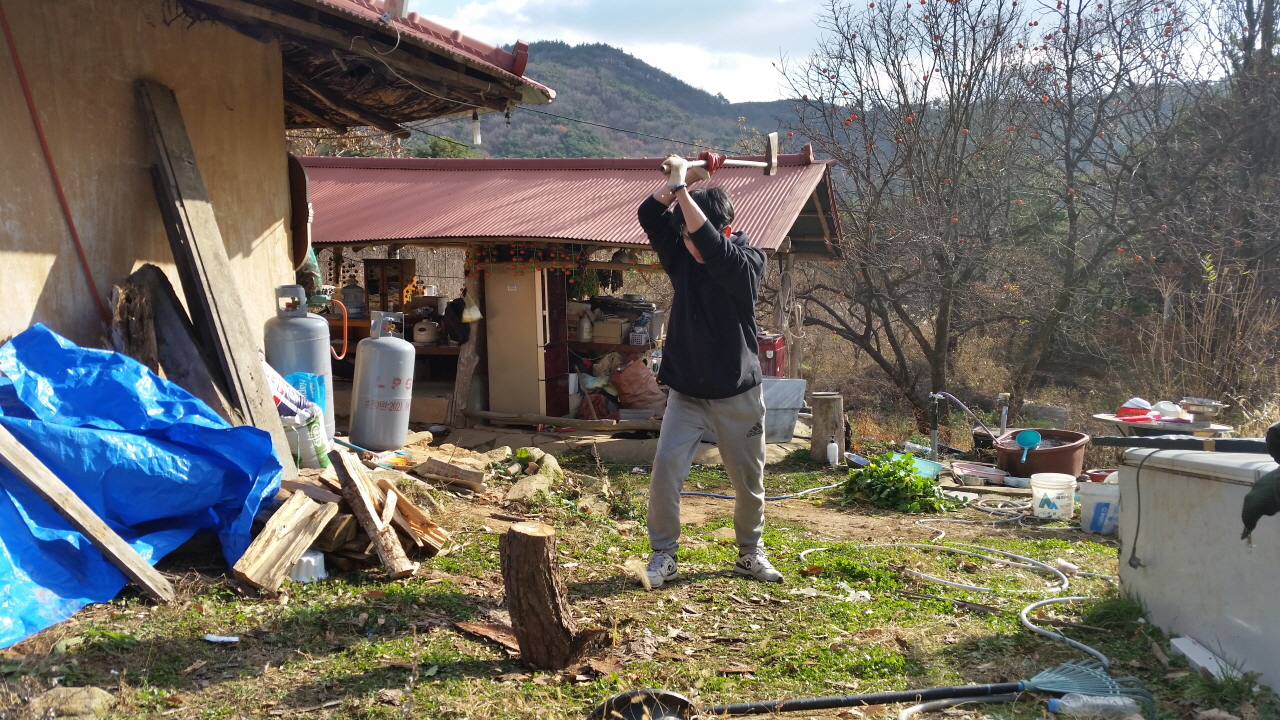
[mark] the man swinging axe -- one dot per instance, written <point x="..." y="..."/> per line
<point x="710" y="361"/>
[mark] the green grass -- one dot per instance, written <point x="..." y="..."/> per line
<point x="351" y="637"/>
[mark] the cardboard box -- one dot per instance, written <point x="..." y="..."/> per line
<point x="612" y="331"/>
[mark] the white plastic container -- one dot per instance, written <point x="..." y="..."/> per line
<point x="309" y="568"/>
<point x="1053" y="496"/>
<point x="1099" y="507"/>
<point x="298" y="342"/>
<point x="383" y="385"/>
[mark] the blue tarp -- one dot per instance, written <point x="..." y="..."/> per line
<point x="151" y="460"/>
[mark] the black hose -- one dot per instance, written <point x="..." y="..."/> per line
<point x="884" y="698"/>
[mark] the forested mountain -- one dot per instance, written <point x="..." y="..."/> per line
<point x="606" y="86"/>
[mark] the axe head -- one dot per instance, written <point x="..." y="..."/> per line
<point x="771" y="154"/>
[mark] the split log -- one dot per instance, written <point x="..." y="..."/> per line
<point x="418" y="522"/>
<point x="315" y="492"/>
<point x="390" y="551"/>
<point x="548" y="637"/>
<point x="35" y="475"/>
<point x="288" y="534"/>
<point x="828" y="423"/>
<point x="340" y="531"/>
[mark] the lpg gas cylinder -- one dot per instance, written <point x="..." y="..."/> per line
<point x="383" y="385"/>
<point x="298" y="342"/>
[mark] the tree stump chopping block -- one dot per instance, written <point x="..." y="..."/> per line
<point x="548" y="637"/>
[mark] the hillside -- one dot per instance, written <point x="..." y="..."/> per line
<point x="605" y="85"/>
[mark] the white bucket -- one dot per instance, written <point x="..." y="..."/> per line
<point x="1099" y="507"/>
<point x="1053" y="496"/>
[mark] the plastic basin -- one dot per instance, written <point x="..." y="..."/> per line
<point x="924" y="468"/>
<point x="993" y="476"/>
<point x="1067" y="459"/>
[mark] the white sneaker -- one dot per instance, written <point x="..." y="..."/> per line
<point x="756" y="565"/>
<point x="661" y="568"/>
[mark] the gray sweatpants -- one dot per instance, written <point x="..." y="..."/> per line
<point x="738" y="423"/>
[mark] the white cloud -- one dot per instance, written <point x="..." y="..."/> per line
<point x="721" y="46"/>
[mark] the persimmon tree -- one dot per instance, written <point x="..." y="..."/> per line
<point x="913" y="101"/>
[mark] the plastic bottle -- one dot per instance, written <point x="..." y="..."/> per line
<point x="1107" y="706"/>
<point x="916" y="449"/>
<point x="833" y="452"/>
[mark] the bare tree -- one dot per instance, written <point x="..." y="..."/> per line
<point x="914" y="104"/>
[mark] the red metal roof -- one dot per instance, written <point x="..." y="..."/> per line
<point x="451" y="43"/>
<point x="592" y="200"/>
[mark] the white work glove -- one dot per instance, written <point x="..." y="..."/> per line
<point x="675" y="167"/>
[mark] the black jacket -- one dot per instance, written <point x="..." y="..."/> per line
<point x="711" y="350"/>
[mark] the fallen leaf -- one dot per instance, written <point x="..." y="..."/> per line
<point x="174" y="701"/>
<point x="497" y="632"/>
<point x="375" y="593"/>
<point x="1215" y="714"/>
<point x="737" y="670"/>
<point x="1138" y="664"/>
<point x="431" y="671"/>
<point x="1174" y="675"/>
<point x="845" y="685"/>
<point x="812" y="570"/>
<point x="1248" y="711"/>
<point x="391" y="696"/>
<point x="688" y="610"/>
<point x="194" y="667"/>
<point x="362" y="619"/>
<point x="605" y="666"/>
<point x="902" y="643"/>
<point x="512" y="677"/>
<point x="1158" y="653"/>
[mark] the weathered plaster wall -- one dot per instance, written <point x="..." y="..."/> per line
<point x="81" y="58"/>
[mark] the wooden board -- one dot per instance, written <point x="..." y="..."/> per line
<point x="440" y="468"/>
<point x="204" y="268"/>
<point x="288" y="534"/>
<point x="33" y="473"/>
<point x="469" y="357"/>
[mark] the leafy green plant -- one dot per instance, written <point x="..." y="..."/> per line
<point x="891" y="482"/>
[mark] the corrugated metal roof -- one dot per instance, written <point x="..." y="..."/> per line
<point x="591" y="200"/>
<point x="451" y="43"/>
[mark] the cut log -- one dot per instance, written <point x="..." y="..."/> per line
<point x="132" y="327"/>
<point x="288" y="534"/>
<point x="338" y="532"/>
<point x="390" y="551"/>
<point x="548" y="637"/>
<point x="204" y="267"/>
<point x="33" y="473"/>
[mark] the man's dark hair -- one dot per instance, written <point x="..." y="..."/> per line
<point x="715" y="205"/>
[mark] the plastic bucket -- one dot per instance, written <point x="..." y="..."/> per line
<point x="1099" y="508"/>
<point x="1053" y="496"/>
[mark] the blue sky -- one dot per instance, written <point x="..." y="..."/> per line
<point x="724" y="46"/>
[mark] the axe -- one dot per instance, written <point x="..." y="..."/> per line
<point x="770" y="164"/>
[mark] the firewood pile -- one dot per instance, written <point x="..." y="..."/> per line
<point x="356" y="515"/>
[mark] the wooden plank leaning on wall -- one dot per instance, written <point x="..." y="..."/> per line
<point x="204" y="267"/>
